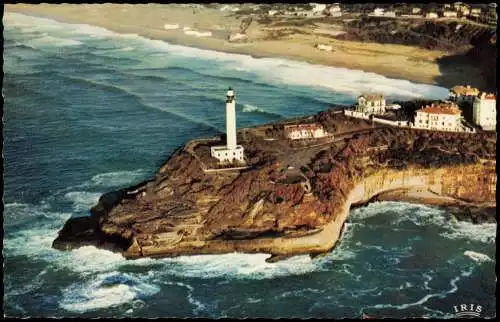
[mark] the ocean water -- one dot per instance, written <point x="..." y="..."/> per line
<point x="88" y="110"/>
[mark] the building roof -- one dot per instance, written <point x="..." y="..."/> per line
<point x="372" y="97"/>
<point x="449" y="109"/>
<point x="465" y="90"/>
<point x="488" y="96"/>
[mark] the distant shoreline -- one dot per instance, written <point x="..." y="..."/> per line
<point x="392" y="61"/>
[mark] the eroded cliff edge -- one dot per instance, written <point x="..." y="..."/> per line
<point x="293" y="198"/>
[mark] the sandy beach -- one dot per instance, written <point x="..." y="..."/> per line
<point x="148" y="20"/>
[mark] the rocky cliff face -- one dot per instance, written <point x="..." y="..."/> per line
<point x="185" y="210"/>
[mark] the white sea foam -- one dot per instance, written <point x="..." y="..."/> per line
<point x="83" y="200"/>
<point x="418" y="214"/>
<point x="299" y="293"/>
<point x="251" y="108"/>
<point x="104" y="291"/>
<point x="285" y="71"/>
<point x="111" y="51"/>
<point x="35" y="242"/>
<point x="241" y="266"/>
<point x="278" y="70"/>
<point x="198" y="306"/>
<point x="89" y="259"/>
<point x="92" y="31"/>
<point x="128" y="48"/>
<point x="423" y="300"/>
<point x="422" y="215"/>
<point x="50" y="41"/>
<point x="484" y="233"/>
<point x="115" y="178"/>
<point x="478" y="257"/>
<point x="19" y="213"/>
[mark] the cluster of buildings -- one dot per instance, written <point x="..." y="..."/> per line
<point x="483" y="105"/>
<point x="438" y="116"/>
<point x="485" y="14"/>
<point x="314" y="9"/>
<point x="441" y="116"/>
<point x="482" y="13"/>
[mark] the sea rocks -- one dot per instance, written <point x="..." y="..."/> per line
<point x="77" y="232"/>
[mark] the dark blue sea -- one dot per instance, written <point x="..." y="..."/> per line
<point x="88" y="111"/>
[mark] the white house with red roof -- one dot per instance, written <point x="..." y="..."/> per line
<point x="441" y="117"/>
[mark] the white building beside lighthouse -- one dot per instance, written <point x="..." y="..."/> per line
<point x="231" y="151"/>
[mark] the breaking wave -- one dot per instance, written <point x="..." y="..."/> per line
<point x="423" y="215"/>
<point x="82" y="200"/>
<point x="50" y="41"/>
<point x="354" y="82"/>
<point x="116" y="178"/>
<point x="104" y="291"/>
<point x="484" y="233"/>
<point x="249" y="108"/>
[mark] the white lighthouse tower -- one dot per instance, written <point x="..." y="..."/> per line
<point x="231" y="151"/>
<point x="231" y="119"/>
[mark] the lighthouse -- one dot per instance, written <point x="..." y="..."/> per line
<point x="231" y="119"/>
<point x="231" y="151"/>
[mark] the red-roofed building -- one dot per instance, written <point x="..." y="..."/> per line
<point x="304" y="131"/>
<point x="441" y="117"/>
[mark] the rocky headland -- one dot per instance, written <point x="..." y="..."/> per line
<point x="292" y="197"/>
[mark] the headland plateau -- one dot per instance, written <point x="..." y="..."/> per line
<point x="291" y="196"/>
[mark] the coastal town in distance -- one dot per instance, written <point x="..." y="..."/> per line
<point x="250" y="160"/>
